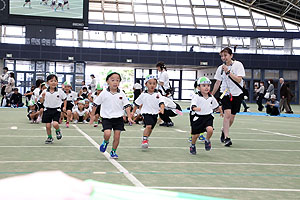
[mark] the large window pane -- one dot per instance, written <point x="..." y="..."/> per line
<point x="188" y="84"/>
<point x="272" y="74"/>
<point x="256" y="74"/>
<point x="290" y="75"/>
<point x="189" y="75"/>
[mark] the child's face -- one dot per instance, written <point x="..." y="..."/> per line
<point x="80" y="106"/>
<point x="67" y="88"/>
<point x="204" y="88"/>
<point x="114" y="81"/>
<point x="52" y="83"/>
<point x="87" y="104"/>
<point x="16" y="91"/>
<point x="151" y="85"/>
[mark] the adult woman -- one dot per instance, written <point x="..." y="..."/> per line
<point x="229" y="74"/>
<point x="163" y="78"/>
<point x="10" y="83"/>
<point x="93" y="83"/>
<point x="260" y="95"/>
<point x="270" y="89"/>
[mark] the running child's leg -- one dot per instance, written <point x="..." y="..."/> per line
<point x="209" y="131"/>
<point x="107" y="134"/>
<point x="57" y="130"/>
<point x="146" y="135"/>
<point x="48" y="130"/>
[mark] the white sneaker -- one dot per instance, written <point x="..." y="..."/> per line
<point x="85" y="122"/>
<point x="75" y="121"/>
<point x="39" y="119"/>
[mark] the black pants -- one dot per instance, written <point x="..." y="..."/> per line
<point x="166" y="116"/>
<point x="136" y="94"/>
<point x="3" y="90"/>
<point x="259" y="102"/>
<point x="272" y="110"/>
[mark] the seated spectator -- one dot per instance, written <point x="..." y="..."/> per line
<point x="272" y="106"/>
<point x="16" y="99"/>
<point x="33" y="112"/>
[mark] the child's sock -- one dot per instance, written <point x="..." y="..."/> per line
<point x="192" y="145"/>
<point x="206" y="140"/>
<point x="114" y="150"/>
<point x="49" y="136"/>
<point x="145" y="138"/>
<point x="105" y="142"/>
<point x="57" y="130"/>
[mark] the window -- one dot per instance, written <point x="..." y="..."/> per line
<point x="272" y="74"/>
<point x="290" y="75"/>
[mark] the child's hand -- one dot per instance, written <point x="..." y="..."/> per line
<point x="221" y="114"/>
<point x="64" y="109"/>
<point x="43" y="95"/>
<point x="162" y="111"/>
<point x="197" y="109"/>
<point x="131" y="121"/>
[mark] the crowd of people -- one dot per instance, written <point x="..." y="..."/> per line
<point x="110" y="106"/>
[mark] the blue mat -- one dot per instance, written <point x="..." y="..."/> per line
<point x="258" y="114"/>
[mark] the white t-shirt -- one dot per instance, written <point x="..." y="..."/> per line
<point x="36" y="94"/>
<point x="72" y="96"/>
<point x="164" y="77"/>
<point x="112" y="105"/>
<point x="151" y="102"/>
<point x="207" y="105"/>
<point x="80" y="113"/>
<point x="55" y="99"/>
<point x="93" y="85"/>
<point x="137" y="86"/>
<point x="237" y="69"/>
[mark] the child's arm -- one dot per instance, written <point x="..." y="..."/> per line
<point x="65" y="105"/>
<point x="42" y="98"/>
<point x="195" y="108"/>
<point x="129" y="115"/>
<point x="221" y="111"/>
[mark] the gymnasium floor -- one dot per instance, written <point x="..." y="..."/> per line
<point x="263" y="163"/>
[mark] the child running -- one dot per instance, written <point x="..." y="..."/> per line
<point x="52" y="98"/>
<point x="202" y="106"/>
<point x="113" y="101"/>
<point x="152" y="104"/>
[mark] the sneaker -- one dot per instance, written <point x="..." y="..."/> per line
<point x="193" y="150"/>
<point x="163" y="124"/>
<point x="201" y="138"/>
<point x="49" y="141"/>
<point x="170" y="124"/>
<point x="113" y="155"/>
<point x="207" y="145"/>
<point x="145" y="144"/>
<point x="58" y="135"/>
<point x="190" y="139"/>
<point x="103" y="147"/>
<point x="228" y="142"/>
<point x="95" y="125"/>
<point x="75" y="121"/>
<point x="222" y="138"/>
<point x="67" y="124"/>
<point x="85" y="122"/>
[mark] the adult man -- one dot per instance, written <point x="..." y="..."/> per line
<point x="272" y="107"/>
<point x="283" y="96"/>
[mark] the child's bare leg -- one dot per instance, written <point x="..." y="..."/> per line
<point x="209" y="131"/>
<point x="116" y="141"/>
<point x="48" y="129"/>
<point x="194" y="138"/>
<point x="147" y="131"/>
<point x="107" y="134"/>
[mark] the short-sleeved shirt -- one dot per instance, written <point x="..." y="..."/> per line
<point x="112" y="104"/>
<point x="237" y="69"/>
<point x="55" y="99"/>
<point x="207" y="105"/>
<point x="80" y="113"/>
<point x="164" y="77"/>
<point x="36" y="94"/>
<point x="137" y="86"/>
<point x="151" y="102"/>
<point x="71" y="96"/>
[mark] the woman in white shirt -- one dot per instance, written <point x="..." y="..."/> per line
<point x="163" y="78"/>
<point x="231" y="97"/>
<point x="10" y="83"/>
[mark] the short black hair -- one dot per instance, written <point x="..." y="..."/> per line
<point x="5" y="68"/>
<point x="109" y="75"/>
<point x="15" y="89"/>
<point x="161" y="65"/>
<point x="51" y="76"/>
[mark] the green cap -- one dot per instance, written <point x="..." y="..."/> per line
<point x="110" y="73"/>
<point x="66" y="83"/>
<point x="99" y="87"/>
<point x="150" y="76"/>
<point x="203" y="80"/>
<point x="81" y="101"/>
<point x="31" y="103"/>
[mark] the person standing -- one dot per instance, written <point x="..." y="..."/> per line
<point x="137" y="90"/>
<point x="10" y="83"/>
<point x="260" y="92"/>
<point x="283" y="96"/>
<point x="228" y="75"/>
<point x="4" y="80"/>
<point x="163" y="78"/>
<point x="93" y="83"/>
<point x="290" y="96"/>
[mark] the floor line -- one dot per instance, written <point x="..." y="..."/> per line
<point x="276" y="133"/>
<point x="129" y="176"/>
<point x="227" y="188"/>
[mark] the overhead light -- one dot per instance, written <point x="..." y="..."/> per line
<point x="204" y="63"/>
<point x="129" y="60"/>
<point x="9" y="55"/>
<point x="70" y="58"/>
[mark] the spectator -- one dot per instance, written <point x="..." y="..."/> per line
<point x="283" y="96"/>
<point x="16" y="99"/>
<point x="10" y="83"/>
<point x="260" y="92"/>
<point x="137" y="89"/>
<point x="163" y="78"/>
<point x="290" y="96"/>
<point x="93" y="83"/>
<point x="270" y="89"/>
<point x="272" y="106"/>
<point x="4" y="80"/>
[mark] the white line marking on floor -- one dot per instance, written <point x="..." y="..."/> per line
<point x="129" y="176"/>
<point x="181" y="131"/>
<point x="53" y="161"/>
<point x="226" y="188"/>
<point x="46" y="146"/>
<point x="276" y="133"/>
<point x="14" y="128"/>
